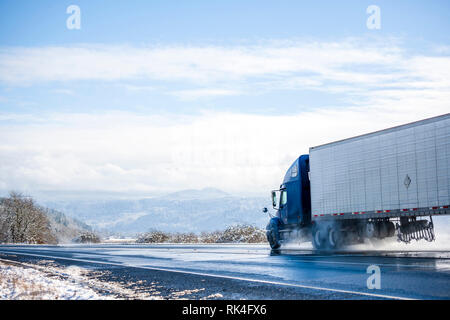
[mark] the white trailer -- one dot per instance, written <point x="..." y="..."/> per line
<point x="400" y="172"/>
<point x="376" y="185"/>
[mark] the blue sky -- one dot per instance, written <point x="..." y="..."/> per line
<point x="155" y="96"/>
<point x="31" y="23"/>
<point x="416" y="25"/>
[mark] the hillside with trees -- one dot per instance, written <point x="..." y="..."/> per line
<point x="23" y="221"/>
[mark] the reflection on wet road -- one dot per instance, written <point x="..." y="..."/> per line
<point x="412" y="274"/>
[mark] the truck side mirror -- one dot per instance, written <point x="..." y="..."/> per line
<point x="274" y="199"/>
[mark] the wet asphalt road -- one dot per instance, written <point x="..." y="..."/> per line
<point x="253" y="272"/>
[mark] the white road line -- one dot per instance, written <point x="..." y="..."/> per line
<point x="219" y="276"/>
<point x="365" y="263"/>
<point x="295" y="259"/>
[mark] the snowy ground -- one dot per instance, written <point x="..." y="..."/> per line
<point x="17" y="283"/>
<point x="48" y="280"/>
<point x="22" y="281"/>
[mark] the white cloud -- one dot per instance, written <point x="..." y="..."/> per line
<point x="128" y="153"/>
<point x="64" y="91"/>
<point x="204" y="64"/>
<point x="352" y="66"/>
<point x="195" y="94"/>
<point x="123" y="152"/>
<point x="130" y="87"/>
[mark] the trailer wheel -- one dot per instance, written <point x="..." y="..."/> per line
<point x="390" y="229"/>
<point x="334" y="238"/>
<point x="369" y="230"/>
<point x="318" y="239"/>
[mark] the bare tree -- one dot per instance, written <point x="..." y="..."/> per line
<point x="22" y="221"/>
<point x="4" y="225"/>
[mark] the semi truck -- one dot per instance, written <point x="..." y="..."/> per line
<point x="388" y="183"/>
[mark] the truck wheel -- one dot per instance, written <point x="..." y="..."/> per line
<point x="369" y="230"/>
<point x="318" y="239"/>
<point x="390" y="229"/>
<point x="273" y="236"/>
<point x="334" y="238"/>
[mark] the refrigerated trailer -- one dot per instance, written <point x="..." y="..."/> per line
<point x="383" y="184"/>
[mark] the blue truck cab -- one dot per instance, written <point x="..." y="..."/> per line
<point x="292" y="202"/>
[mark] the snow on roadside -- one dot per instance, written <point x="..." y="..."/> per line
<point x="19" y="283"/>
<point x="47" y="281"/>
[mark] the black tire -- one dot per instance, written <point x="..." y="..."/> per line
<point x="318" y="239"/>
<point x="390" y="229"/>
<point x="273" y="236"/>
<point x="334" y="238"/>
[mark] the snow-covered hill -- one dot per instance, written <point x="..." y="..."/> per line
<point x="184" y="211"/>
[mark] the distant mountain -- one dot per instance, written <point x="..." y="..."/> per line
<point x="184" y="211"/>
<point x="65" y="228"/>
<point x="192" y="194"/>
